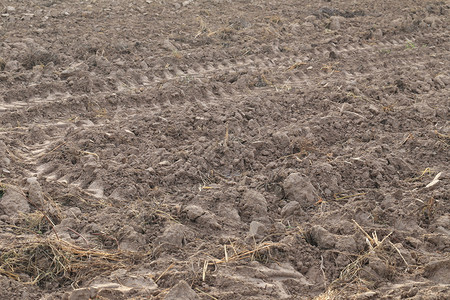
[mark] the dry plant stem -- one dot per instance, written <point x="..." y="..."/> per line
<point x="247" y="253"/>
<point x="232" y="246"/>
<point x="79" y="234"/>
<point x="353" y="267"/>
<point x="322" y="268"/>
<point x="53" y="225"/>
<point x="54" y="149"/>
<point x="165" y="271"/>
<point x="166" y="215"/>
<point x="226" y="253"/>
<point x="365" y="233"/>
<point x="212" y="297"/>
<point x="90" y="153"/>
<point x="398" y="251"/>
<point x="237" y="256"/>
<point x="105" y="235"/>
<point x="205" y="268"/>
<point x="48" y="259"/>
<point x="10" y="274"/>
<point x="349" y="196"/>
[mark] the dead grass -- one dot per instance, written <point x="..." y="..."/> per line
<point x="351" y="276"/>
<point x="235" y="253"/>
<point x="328" y="295"/>
<point x="54" y="260"/>
<point x="39" y="57"/>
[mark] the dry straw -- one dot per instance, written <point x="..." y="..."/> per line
<point x="55" y="260"/>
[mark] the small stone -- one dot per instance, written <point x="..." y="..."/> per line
<point x="181" y="291"/>
<point x="10" y="9"/>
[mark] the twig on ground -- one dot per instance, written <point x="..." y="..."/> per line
<point x="212" y="297"/>
<point x="165" y="271"/>
<point x="79" y="234"/>
<point x="53" y="225"/>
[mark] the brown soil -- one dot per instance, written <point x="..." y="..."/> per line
<point x="214" y="149"/>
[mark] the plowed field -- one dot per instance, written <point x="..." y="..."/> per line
<point x="214" y="149"/>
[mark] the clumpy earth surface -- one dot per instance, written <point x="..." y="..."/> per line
<point x="214" y="149"/>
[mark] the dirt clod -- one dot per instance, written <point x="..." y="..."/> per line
<point x="181" y="291"/>
<point x="298" y="188"/>
<point x="13" y="202"/>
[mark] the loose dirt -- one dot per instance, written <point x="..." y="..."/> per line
<point x="224" y="149"/>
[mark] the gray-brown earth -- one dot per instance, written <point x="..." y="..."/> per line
<point x="224" y="149"/>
